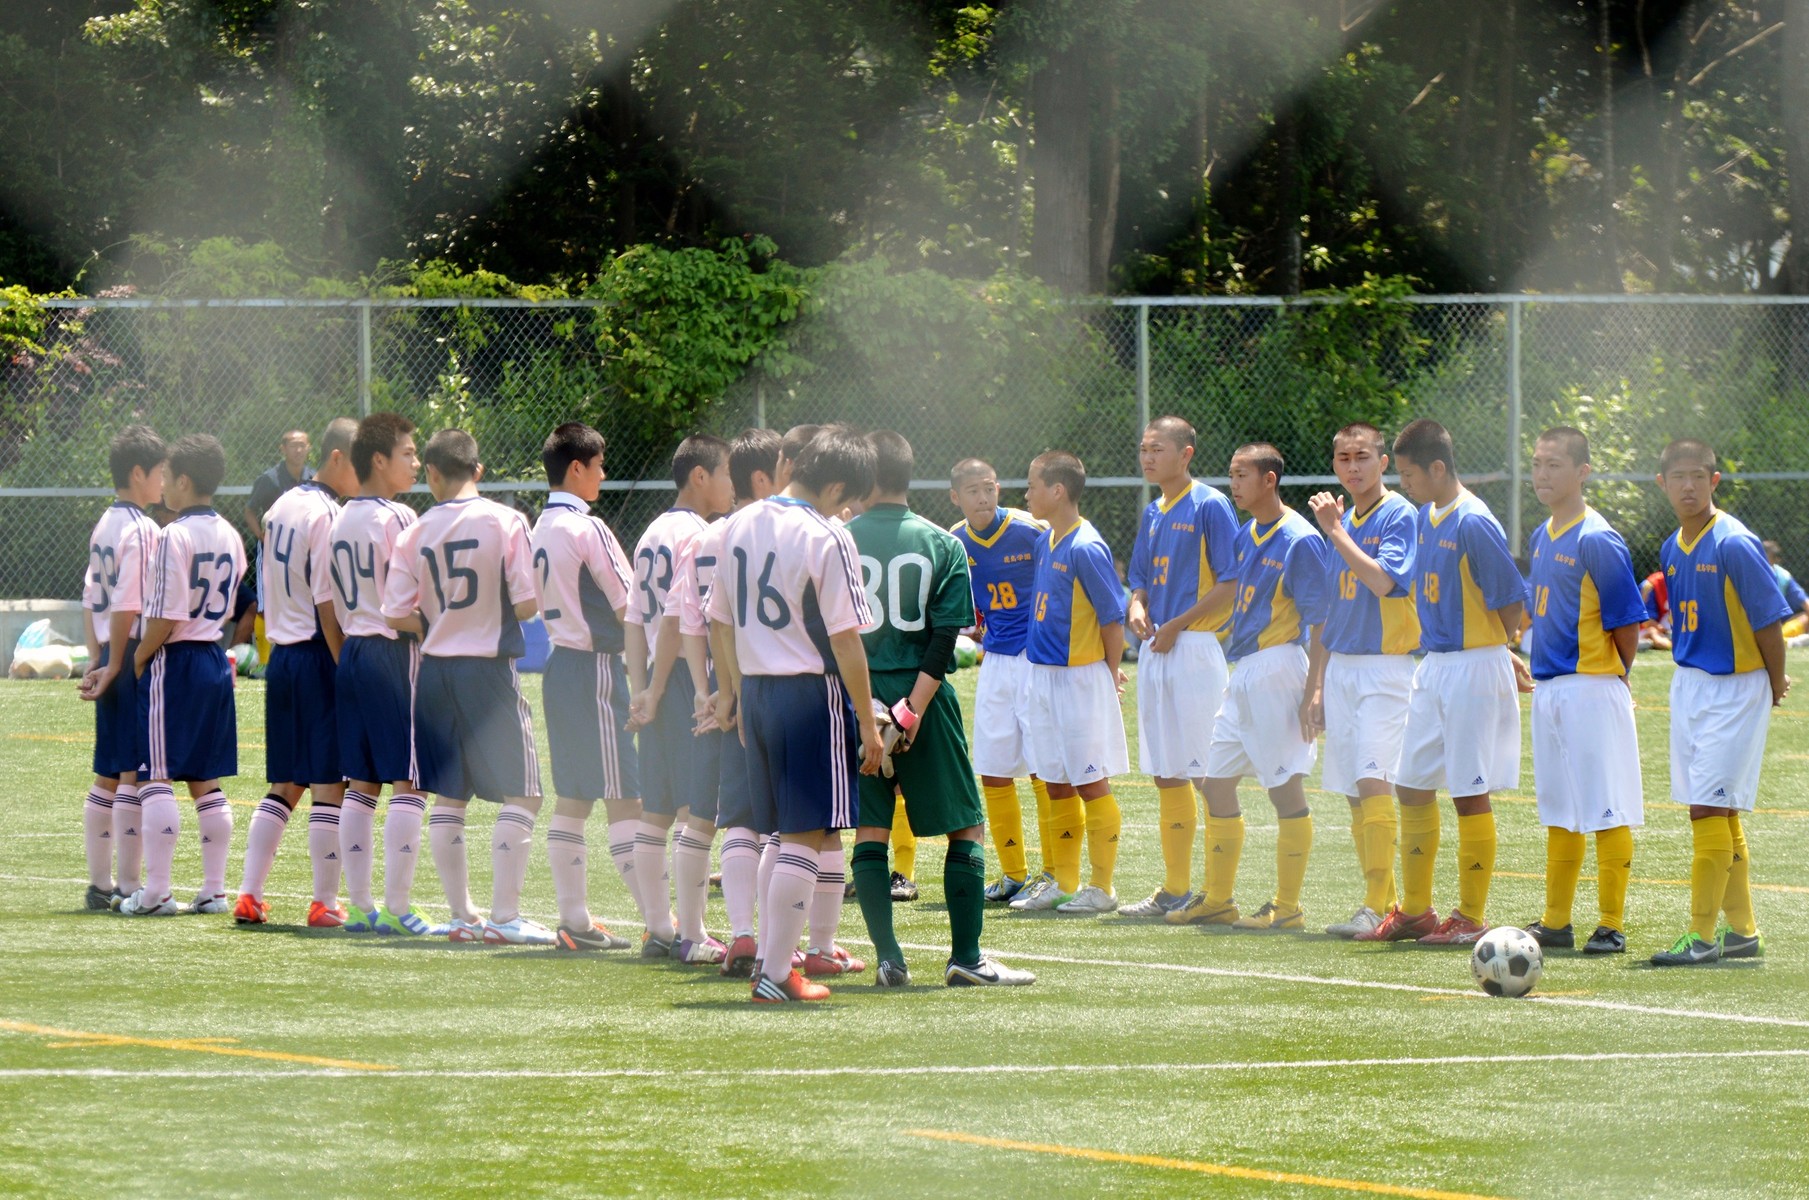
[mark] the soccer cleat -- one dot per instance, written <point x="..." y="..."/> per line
<point x="1609" y="941"/>
<point x="206" y="904"/>
<point x="706" y="953"/>
<point x="1364" y="920"/>
<point x="114" y="898"/>
<point x="597" y="937"/>
<point x="461" y="931"/>
<point x="140" y="905"/>
<point x="360" y="920"/>
<point x="987" y="973"/>
<point x="1690" y="950"/>
<point x="410" y="923"/>
<point x="1397" y="926"/>
<point x="1738" y="945"/>
<point x="891" y="975"/>
<point x="1042" y="899"/>
<point x="322" y="917"/>
<point x="1088" y="901"/>
<point x="792" y="988"/>
<point x="1272" y="918"/>
<point x="848" y="891"/>
<point x="518" y="932"/>
<point x="836" y="961"/>
<point x="1553" y="939"/>
<point x="652" y="947"/>
<point x="1002" y="889"/>
<point x="98" y="899"/>
<point x="1201" y="911"/>
<point x="1032" y="886"/>
<point x="738" y="961"/>
<point x="902" y="889"/>
<point x="1160" y="904"/>
<point x="250" y="910"/>
<point x="1455" y="930"/>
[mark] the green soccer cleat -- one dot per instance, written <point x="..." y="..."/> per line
<point x="360" y="920"/>
<point x="1738" y="945"/>
<point x="408" y="924"/>
<point x="1690" y="950"/>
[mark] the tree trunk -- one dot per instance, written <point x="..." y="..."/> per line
<point x="1611" y="247"/>
<point x="1500" y="259"/>
<point x="1105" y="174"/>
<point x="1061" y="161"/>
<point x="618" y="94"/>
<point x="1288" y="200"/>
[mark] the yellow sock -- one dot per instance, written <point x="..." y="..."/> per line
<point x="1613" y="865"/>
<point x="1419" y="855"/>
<point x="1067" y="822"/>
<point x="1357" y="821"/>
<point x="1710" y="865"/>
<point x="1380" y="833"/>
<point x="904" y="843"/>
<point x="1563" y="863"/>
<point x="1737" y="904"/>
<point x="1006" y="821"/>
<point x="1104" y="822"/>
<point x="1180" y="818"/>
<point x="1045" y="809"/>
<point x="1224" y="848"/>
<point x="1293" y="847"/>
<point x="1475" y="863"/>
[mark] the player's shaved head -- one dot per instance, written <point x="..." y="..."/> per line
<point x="894" y="462"/>
<point x="796" y="438"/>
<point x="377" y="434"/>
<point x="338" y="435"/>
<point x="1058" y="468"/>
<point x="453" y="453"/>
<point x="837" y="454"/>
<point x="1572" y="443"/>
<point x="200" y="459"/>
<point x="572" y="442"/>
<point x="134" y="446"/>
<point x="1265" y="458"/>
<point x="1359" y="431"/>
<point x="1690" y="452"/>
<point x="1425" y="442"/>
<point x="1173" y="430"/>
<point x="754" y="450"/>
<point x="968" y="470"/>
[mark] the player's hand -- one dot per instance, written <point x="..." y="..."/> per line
<point x="1312" y="714"/>
<point x="703" y="715"/>
<point x="1328" y="510"/>
<point x="872" y="750"/>
<point x="640" y="710"/>
<point x="1777" y="695"/>
<point x="726" y="717"/>
<point x="1119" y="679"/>
<point x="1523" y="674"/>
<point x="1137" y="620"/>
<point x="95" y="683"/>
<point x="1165" y="637"/>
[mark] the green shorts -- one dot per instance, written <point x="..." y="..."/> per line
<point x="935" y="776"/>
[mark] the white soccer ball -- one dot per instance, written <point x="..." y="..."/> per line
<point x="1507" y="962"/>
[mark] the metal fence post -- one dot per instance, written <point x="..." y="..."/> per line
<point x="1143" y="416"/>
<point x="760" y="405"/>
<point x="364" y="358"/>
<point x="1515" y="480"/>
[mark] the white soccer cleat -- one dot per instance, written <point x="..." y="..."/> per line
<point x="988" y="972"/>
<point x="1364" y="920"/>
<point x="138" y="904"/>
<point x="1158" y="905"/>
<point x="519" y="932"/>
<point x="1089" y="900"/>
<point x="205" y="904"/>
<point x="1039" y="898"/>
<point x="456" y="930"/>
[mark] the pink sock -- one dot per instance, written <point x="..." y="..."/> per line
<point x="786" y="909"/>
<point x="401" y="849"/>
<point x="651" y="881"/>
<point x="691" y="879"/>
<point x="357" y="833"/>
<point x="740" y="866"/>
<point x="262" y="837"/>
<point x="162" y="825"/>
<point x="323" y="852"/>
<point x="763" y="877"/>
<point x="568" y="855"/>
<point x="446" y="835"/>
<point x="826" y="903"/>
<point x="97" y="837"/>
<point x="214" y="815"/>
<point x="127" y="844"/>
<point x="510" y="841"/>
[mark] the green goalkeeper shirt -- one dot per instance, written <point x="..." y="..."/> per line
<point x="915" y="576"/>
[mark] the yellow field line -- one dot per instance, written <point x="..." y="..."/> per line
<point x="77" y="1037"/>
<point x="1201" y="1168"/>
<point x="1757" y="887"/>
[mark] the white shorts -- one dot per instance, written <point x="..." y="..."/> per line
<point x="1178" y="697"/>
<point x="1463" y="723"/>
<point x="1074" y="724"/>
<point x="1718" y="725"/>
<point x="1258" y="729"/>
<point x="1365" y="716"/>
<point x="1001" y="742"/>
<point x="1586" y="754"/>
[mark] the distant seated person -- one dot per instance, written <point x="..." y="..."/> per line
<point x="1797" y="624"/>
<point x="1655" y="633"/>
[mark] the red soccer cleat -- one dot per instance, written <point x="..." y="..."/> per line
<point x="322" y="917"/>
<point x="738" y="963"/>
<point x="836" y="962"/>
<point x="1455" y="930"/>
<point x="793" y="987"/>
<point x="1397" y="926"/>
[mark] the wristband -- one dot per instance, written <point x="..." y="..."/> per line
<point x="902" y="716"/>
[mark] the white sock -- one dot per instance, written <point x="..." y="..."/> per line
<point x="826" y="903"/>
<point x="323" y="852"/>
<point x="262" y="837"/>
<point x="510" y="841"/>
<point x="162" y="826"/>
<point x="128" y="846"/>
<point x="357" y="849"/>
<point x="763" y="877"/>
<point x="401" y="849"/>
<point x="446" y="834"/>
<point x="787" y="908"/>
<point x="621" y="853"/>
<point x="740" y="867"/>
<point x="651" y="881"/>
<point x="214" y="815"/>
<point x="568" y="854"/>
<point x="97" y="837"/>
<point x="691" y="879"/>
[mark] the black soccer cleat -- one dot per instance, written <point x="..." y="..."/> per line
<point x="891" y="975"/>
<point x="1553" y="939"/>
<point x="98" y="899"/>
<point x="902" y="889"/>
<point x="1690" y="950"/>
<point x="1606" y="941"/>
<point x="1738" y="945"/>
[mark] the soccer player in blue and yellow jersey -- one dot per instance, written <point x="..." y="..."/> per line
<point x="1001" y="561"/>
<point x="1075" y="725"/>
<point x="1463" y="716"/>
<point x="1261" y="730"/>
<point x="1727" y="626"/>
<point x="1362" y="670"/>
<point x="1180" y="599"/>
<point x="1586" y="616"/>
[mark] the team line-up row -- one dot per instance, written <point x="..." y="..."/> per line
<point x="780" y="675"/>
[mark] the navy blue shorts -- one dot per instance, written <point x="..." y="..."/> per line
<point x="375" y="695"/>
<point x="677" y="769"/>
<point x="116" y="719"/>
<point x="803" y="750"/>
<point x="473" y="733"/>
<point x="585" y="699"/>
<point x="734" y="797"/>
<point x="301" y="728"/>
<point x="188" y="729"/>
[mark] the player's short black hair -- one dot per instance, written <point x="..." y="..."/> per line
<point x="1425" y="442"/>
<point x="796" y="438"/>
<point x="1174" y="430"/>
<point x="134" y="446"/>
<point x="453" y="453"/>
<point x="699" y="450"/>
<point x="894" y="462"/>
<point x="1059" y="468"/>
<point x="1574" y="442"/>
<point x="572" y="442"/>
<point x="377" y="434"/>
<point x="202" y="458"/>
<point x="1363" y="429"/>
<point x="837" y="454"/>
<point x="339" y="435"/>
<point x="753" y="450"/>
<point x="1265" y="458"/>
<point x="1694" y="451"/>
<point x="968" y="470"/>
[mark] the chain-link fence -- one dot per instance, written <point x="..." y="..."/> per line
<point x="1632" y="372"/>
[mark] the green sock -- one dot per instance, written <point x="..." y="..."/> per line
<point x="873" y="888"/>
<point x="964" y="889"/>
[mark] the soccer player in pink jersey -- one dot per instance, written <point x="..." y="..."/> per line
<point x="786" y="611"/>
<point x="582" y="579"/>
<point x="187" y="729"/>
<point x="462" y="580"/>
<point x="677" y="772"/>
<point x="301" y="724"/>
<point x="375" y="682"/>
<point x="120" y="555"/>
